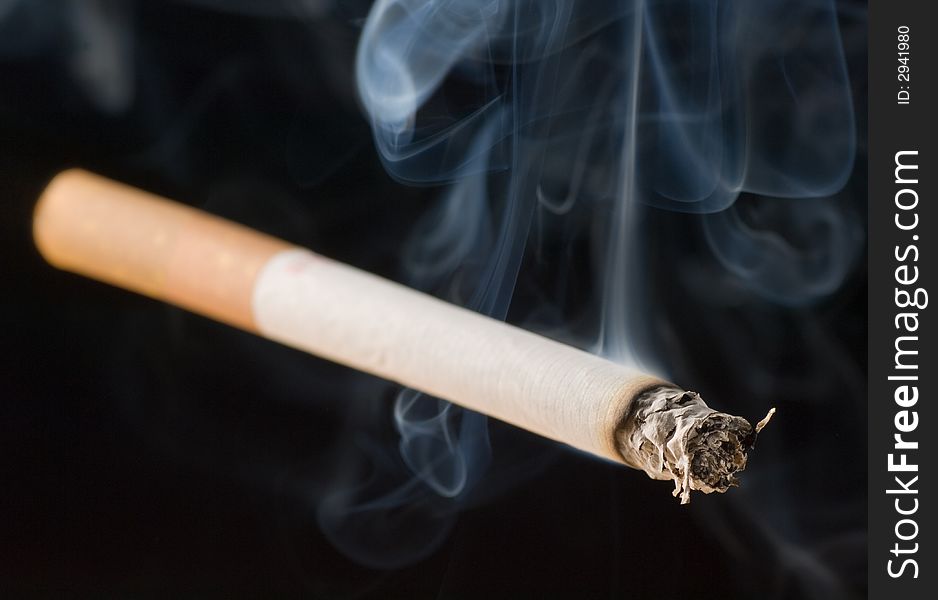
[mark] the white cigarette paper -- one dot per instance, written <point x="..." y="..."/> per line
<point x="357" y="319"/>
<point x="102" y="229"/>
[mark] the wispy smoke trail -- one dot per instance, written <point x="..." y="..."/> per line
<point x="556" y="125"/>
<point x="94" y="38"/>
<point x="102" y="54"/>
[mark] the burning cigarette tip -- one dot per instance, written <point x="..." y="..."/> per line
<point x="672" y="434"/>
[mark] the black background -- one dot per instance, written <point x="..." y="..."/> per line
<point x="148" y="451"/>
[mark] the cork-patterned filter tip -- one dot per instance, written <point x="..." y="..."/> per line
<point x="127" y="237"/>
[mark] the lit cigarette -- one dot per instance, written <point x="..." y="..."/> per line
<point x="132" y="239"/>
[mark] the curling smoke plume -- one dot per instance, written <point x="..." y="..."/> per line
<point x="560" y="130"/>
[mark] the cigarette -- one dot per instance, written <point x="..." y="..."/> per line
<point x="129" y="238"/>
